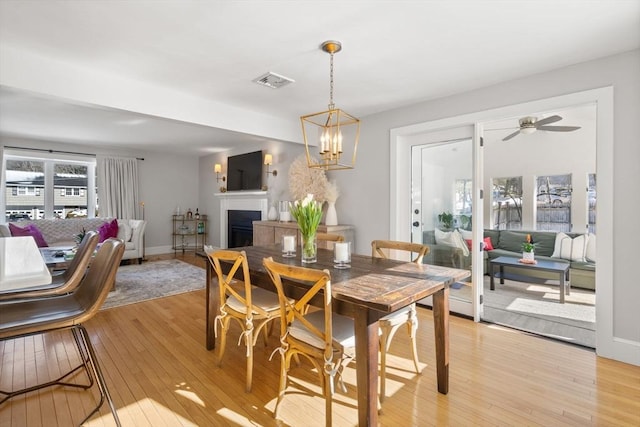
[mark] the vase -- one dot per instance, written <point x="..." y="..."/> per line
<point x="331" y="218"/>
<point x="273" y="214"/>
<point x="528" y="256"/>
<point x="309" y="248"/>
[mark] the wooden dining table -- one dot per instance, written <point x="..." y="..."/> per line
<point x="369" y="290"/>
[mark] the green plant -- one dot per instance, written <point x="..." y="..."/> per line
<point x="307" y="214"/>
<point x="446" y="219"/>
<point x="80" y="236"/>
<point x="528" y="246"/>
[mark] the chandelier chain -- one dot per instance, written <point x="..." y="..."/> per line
<point x="331" y="104"/>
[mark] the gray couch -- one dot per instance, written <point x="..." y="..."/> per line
<point x="62" y="232"/>
<point x="509" y="243"/>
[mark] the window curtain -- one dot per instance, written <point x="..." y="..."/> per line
<point x="117" y="187"/>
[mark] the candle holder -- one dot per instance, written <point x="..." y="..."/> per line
<point x="342" y="255"/>
<point x="288" y="246"/>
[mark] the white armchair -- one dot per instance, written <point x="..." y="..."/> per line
<point x="131" y="231"/>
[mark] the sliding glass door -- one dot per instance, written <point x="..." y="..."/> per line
<point x="443" y="209"/>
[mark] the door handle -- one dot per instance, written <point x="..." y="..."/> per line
<point x="416" y="224"/>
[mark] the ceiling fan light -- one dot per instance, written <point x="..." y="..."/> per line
<point x="528" y="130"/>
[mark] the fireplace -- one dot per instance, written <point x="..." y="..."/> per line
<point x="255" y="201"/>
<point x="240" y="227"/>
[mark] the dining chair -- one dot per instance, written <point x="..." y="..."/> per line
<point x="252" y="307"/>
<point x="66" y="280"/>
<point x="33" y="316"/>
<point x="390" y="323"/>
<point x="325" y="338"/>
<point x="329" y="237"/>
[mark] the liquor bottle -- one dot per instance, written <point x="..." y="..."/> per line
<point x="197" y="214"/>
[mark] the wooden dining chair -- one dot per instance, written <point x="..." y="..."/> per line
<point x="252" y="307"/>
<point x="68" y="312"/>
<point x="66" y="280"/>
<point x="325" y="338"/>
<point x="329" y="237"/>
<point x="390" y="323"/>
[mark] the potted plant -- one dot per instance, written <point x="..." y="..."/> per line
<point x="446" y="219"/>
<point x="527" y="249"/>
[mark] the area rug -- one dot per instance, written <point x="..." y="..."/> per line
<point x="156" y="279"/>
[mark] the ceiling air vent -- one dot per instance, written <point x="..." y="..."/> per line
<point x="273" y="80"/>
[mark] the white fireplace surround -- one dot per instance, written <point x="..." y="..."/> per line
<point x="240" y="201"/>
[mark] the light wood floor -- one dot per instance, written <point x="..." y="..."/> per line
<point x="160" y="374"/>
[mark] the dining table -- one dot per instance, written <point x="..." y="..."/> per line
<point x="21" y="265"/>
<point x="370" y="289"/>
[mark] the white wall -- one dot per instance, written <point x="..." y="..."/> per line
<point x="367" y="187"/>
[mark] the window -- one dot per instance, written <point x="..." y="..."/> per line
<point x="38" y="187"/>
<point x="553" y="203"/>
<point x="506" y="202"/>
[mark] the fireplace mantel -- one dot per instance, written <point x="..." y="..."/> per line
<point x="240" y="200"/>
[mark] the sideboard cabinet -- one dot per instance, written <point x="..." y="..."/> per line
<point x="271" y="232"/>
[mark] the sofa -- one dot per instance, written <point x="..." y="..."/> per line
<point x="576" y="249"/>
<point x="63" y="232"/>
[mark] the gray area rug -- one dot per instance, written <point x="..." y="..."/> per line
<point x="156" y="279"/>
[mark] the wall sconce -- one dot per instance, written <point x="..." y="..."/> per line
<point x="268" y="160"/>
<point x="218" y="169"/>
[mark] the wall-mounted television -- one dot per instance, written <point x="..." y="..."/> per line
<point x="244" y="171"/>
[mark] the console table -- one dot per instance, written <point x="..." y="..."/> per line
<point x="271" y="232"/>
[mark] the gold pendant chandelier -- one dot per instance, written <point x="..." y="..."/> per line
<point x="334" y="132"/>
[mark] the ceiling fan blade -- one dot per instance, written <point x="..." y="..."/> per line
<point x="508" y="137"/>
<point x="547" y="120"/>
<point x="559" y="128"/>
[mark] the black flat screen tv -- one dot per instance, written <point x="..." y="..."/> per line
<point x="244" y="171"/>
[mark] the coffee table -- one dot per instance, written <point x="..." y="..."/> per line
<point x="561" y="268"/>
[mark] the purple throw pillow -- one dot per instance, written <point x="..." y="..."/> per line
<point x="108" y="230"/>
<point x="29" y="230"/>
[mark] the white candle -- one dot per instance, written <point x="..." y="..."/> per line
<point x="285" y="216"/>
<point x="342" y="251"/>
<point x="289" y="243"/>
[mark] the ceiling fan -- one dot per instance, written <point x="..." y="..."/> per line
<point x="531" y="124"/>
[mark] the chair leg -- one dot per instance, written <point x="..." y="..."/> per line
<point x="223" y="339"/>
<point x="249" y="343"/>
<point x="384" y="338"/>
<point x="328" y="399"/>
<point x="97" y="372"/>
<point x="285" y="361"/>
<point x="412" y="325"/>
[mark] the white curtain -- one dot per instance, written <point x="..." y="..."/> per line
<point x="117" y="187"/>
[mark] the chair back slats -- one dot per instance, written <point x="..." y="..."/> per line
<point x="225" y="281"/>
<point x="320" y="280"/>
<point x="380" y="248"/>
<point x="329" y="237"/>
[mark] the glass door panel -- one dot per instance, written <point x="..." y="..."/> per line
<point x="442" y="175"/>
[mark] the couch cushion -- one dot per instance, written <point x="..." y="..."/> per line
<point x="453" y="239"/>
<point x="590" y="254"/>
<point x="29" y="230"/>
<point x="512" y="241"/>
<point x="124" y="231"/>
<point x="573" y="249"/>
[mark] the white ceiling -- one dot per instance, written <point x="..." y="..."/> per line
<point x="395" y="53"/>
